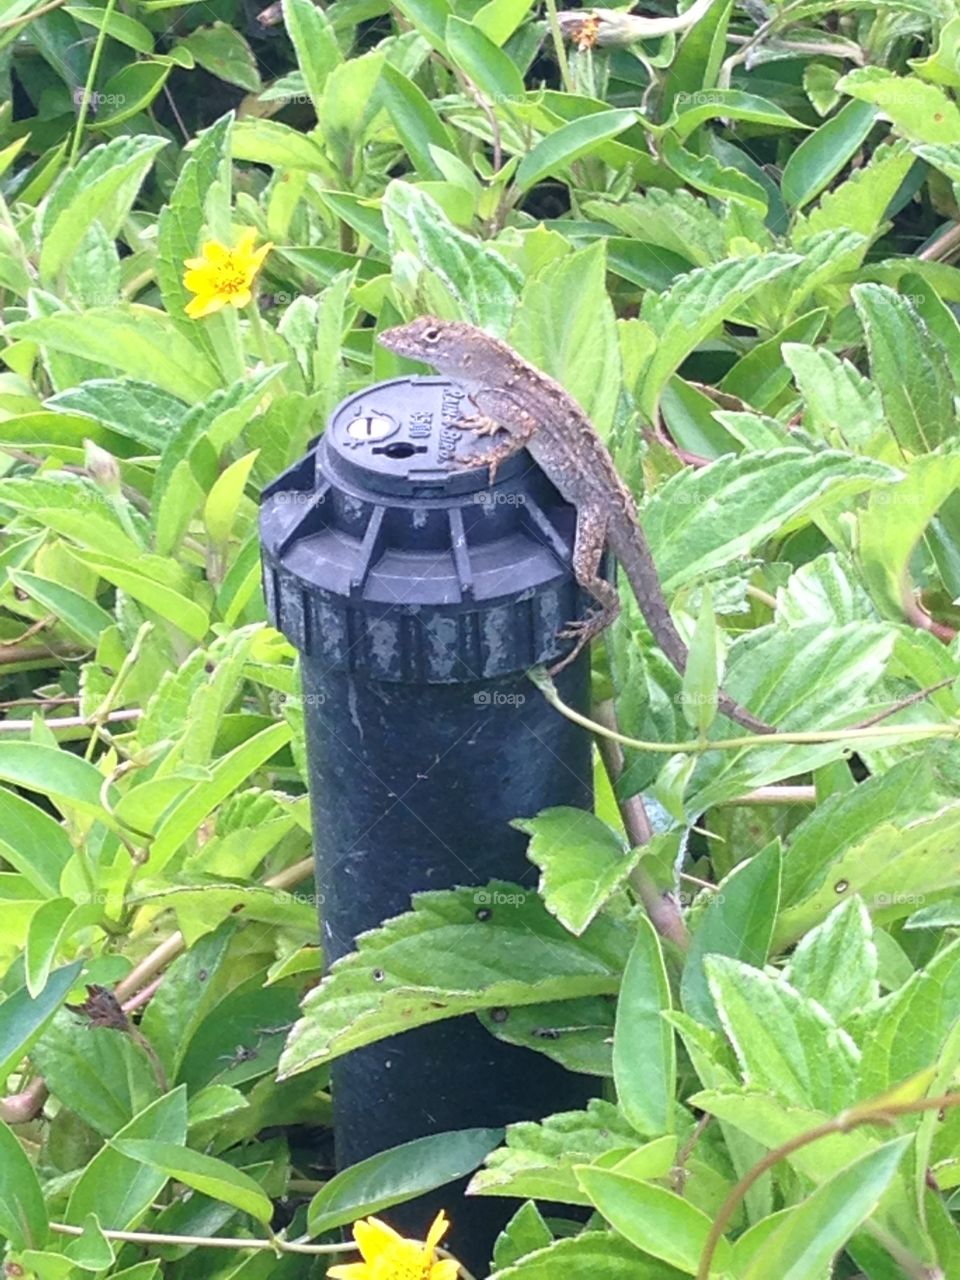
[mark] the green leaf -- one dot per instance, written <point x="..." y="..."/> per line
<point x="133" y="339"/>
<point x="211" y="1177"/>
<point x="185" y="998"/>
<point x="91" y="1251"/>
<point x="443" y="959"/>
<point x="25" y="1017"/>
<point x="132" y="89"/>
<point x="918" y="111"/>
<point x="644" y="1049"/>
<point x="702" y="673"/>
<point x="53" y="924"/>
<point x="85" y="618"/>
<point x="203" y="179"/>
<point x="481" y="285"/>
<point x="911" y="1027"/>
<point x="97" y="1072"/>
<point x="139" y="410"/>
<point x="694" y="306"/>
<point x="117" y="1189"/>
<point x="554" y="154"/>
<point x="840" y="404"/>
<point x="498" y="19"/>
<point x="594" y="1253"/>
<point x="33" y="843"/>
<point x="656" y="1221"/>
<point x="220" y="508"/>
<point x="399" y="1174"/>
<point x="737" y="922"/>
<point x="164" y="600"/>
<point x="23" y="1214"/>
<point x="415" y="120"/>
<point x="861" y="202"/>
<point x="479" y="57"/>
<point x="813" y="1231"/>
<point x="576" y="345"/>
<point x="582" y="861"/>
<point x="893" y="523"/>
<point x="707" y="174"/>
<point x="525" y="1233"/>
<point x="760" y="376"/>
<point x="784" y="1042"/>
<point x="315" y="43"/>
<point x="836" y="963"/>
<point x="909" y="367"/>
<point x="118" y="25"/>
<point x="703" y="518"/>
<point x="101" y="187"/>
<point x="67" y="779"/>
<point x="821" y="156"/>
<point x="538" y="1160"/>
<point x="731" y="104"/>
<point x="184" y="817"/>
<point x="222" y="50"/>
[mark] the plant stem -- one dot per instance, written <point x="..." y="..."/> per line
<point x="91" y="80"/>
<point x="9" y="23"/>
<point x="70" y="722"/>
<point x="878" y="1112"/>
<point x="559" y="47"/>
<point x="699" y="746"/>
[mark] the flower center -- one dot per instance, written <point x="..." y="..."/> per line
<point x="231" y="279"/>
<point x="404" y="1266"/>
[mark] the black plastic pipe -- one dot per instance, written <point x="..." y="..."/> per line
<point x="418" y="596"/>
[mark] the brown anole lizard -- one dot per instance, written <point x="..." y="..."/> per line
<point x="537" y="414"/>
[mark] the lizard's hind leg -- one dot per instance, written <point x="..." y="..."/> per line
<point x="588" y="548"/>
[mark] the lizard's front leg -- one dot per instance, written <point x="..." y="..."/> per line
<point x="521" y="428"/>
<point x="591" y="537"/>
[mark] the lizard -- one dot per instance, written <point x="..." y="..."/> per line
<point x="536" y="413"/>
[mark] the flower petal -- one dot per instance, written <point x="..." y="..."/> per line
<point x="239" y="300"/>
<point x="351" y="1271"/>
<point x="439" y="1229"/>
<point x="374" y="1237"/>
<point x="214" y="252"/>
<point x="448" y="1269"/>
<point x="204" y="304"/>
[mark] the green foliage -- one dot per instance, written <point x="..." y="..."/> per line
<point x="734" y="245"/>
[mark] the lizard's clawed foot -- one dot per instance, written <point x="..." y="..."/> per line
<point x="479" y="423"/>
<point x="581" y="631"/>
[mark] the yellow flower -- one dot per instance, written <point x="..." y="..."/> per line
<point x="221" y="275"/>
<point x="387" y="1256"/>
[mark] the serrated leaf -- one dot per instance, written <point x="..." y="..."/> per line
<point x="538" y="1160"/>
<point x="101" y="186"/>
<point x="593" y="1253"/>
<point x="695" y="305"/>
<point x="836" y="963"/>
<point x="513" y="953"/>
<point x="918" y="111"/>
<point x="784" y="1042"/>
<point x="582" y="862"/>
<point x="909" y="367"/>
<point x="706" y="517"/>
<point x="860" y="203"/>
<point x="705" y="173"/>
<point x="738" y="922"/>
<point x="840" y="404"/>
<point x="577" y="346"/>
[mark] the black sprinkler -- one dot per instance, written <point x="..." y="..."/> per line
<point x="418" y="596"/>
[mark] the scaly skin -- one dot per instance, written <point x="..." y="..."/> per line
<point x="537" y="414"/>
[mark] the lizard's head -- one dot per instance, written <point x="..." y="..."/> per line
<point x="451" y="347"/>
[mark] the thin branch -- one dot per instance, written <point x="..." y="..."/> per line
<point x="168" y="950"/>
<point x="700" y="746"/>
<point x="663" y="909"/>
<point x="918" y="696"/>
<point x="774" y="795"/>
<point x="9" y="23"/>
<point x="880" y="1112"/>
<point x="69" y="722"/>
<point x="10" y="654"/>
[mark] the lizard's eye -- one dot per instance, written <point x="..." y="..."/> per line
<point x="432" y="335"/>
